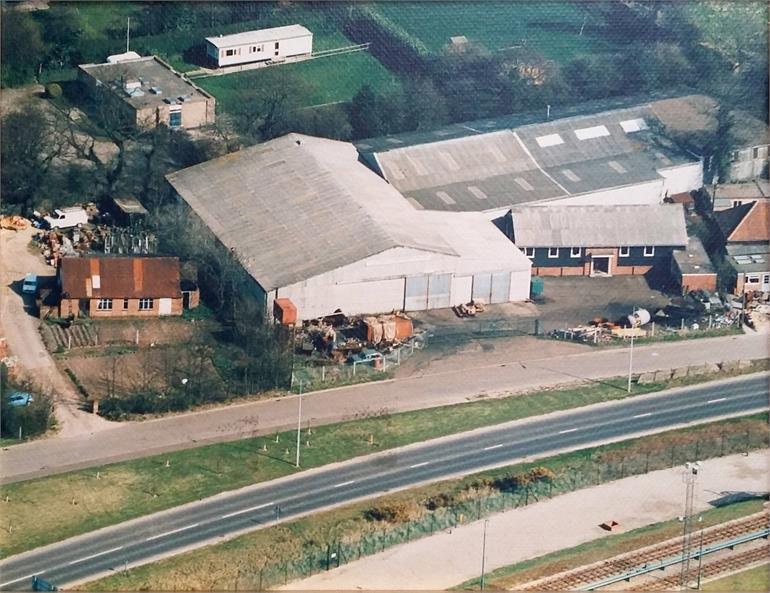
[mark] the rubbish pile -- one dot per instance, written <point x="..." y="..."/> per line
<point x="470" y="309"/>
<point x="14" y="223"/>
<point x="58" y="243"/>
<point x="339" y="338"/>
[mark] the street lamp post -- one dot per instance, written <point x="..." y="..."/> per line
<point x="299" y="423"/>
<point x="483" y="554"/>
<point x="630" y="363"/>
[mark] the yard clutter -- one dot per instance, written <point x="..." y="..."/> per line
<point x="470" y="309"/>
<point x="14" y="223"/>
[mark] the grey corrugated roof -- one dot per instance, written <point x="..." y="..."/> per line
<point x="259" y="36"/>
<point x="298" y="206"/>
<point x="599" y="226"/>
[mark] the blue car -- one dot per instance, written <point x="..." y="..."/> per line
<point x="20" y="399"/>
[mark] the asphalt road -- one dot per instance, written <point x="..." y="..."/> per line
<point x="453" y="383"/>
<point x="138" y="541"/>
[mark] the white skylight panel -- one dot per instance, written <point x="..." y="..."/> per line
<point x="449" y="161"/>
<point x="594" y="132"/>
<point x="617" y="167"/>
<point x="477" y="192"/>
<point x="570" y="174"/>
<point x="445" y="197"/>
<point x="549" y="140"/>
<point x="663" y="158"/>
<point x="633" y="125"/>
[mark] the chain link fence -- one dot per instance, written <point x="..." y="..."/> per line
<point x="473" y="504"/>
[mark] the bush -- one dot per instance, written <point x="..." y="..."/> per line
<point x="393" y="512"/>
<point x="33" y="420"/>
<point x="53" y="90"/>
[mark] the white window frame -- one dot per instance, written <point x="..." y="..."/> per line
<point x="104" y="305"/>
<point x="625" y="252"/>
<point x="529" y="251"/>
<point x="229" y="53"/>
<point x="649" y="251"/>
<point x="553" y="252"/>
<point x="146" y="304"/>
<point x="575" y="251"/>
<point x="752" y="278"/>
<point x="737" y="203"/>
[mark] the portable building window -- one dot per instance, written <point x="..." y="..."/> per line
<point x="529" y="251"/>
<point x="575" y="252"/>
<point x="625" y="251"/>
<point x="553" y="252"/>
<point x="276" y="45"/>
<point x="104" y="305"/>
<point x="146" y="304"/>
<point x="649" y="251"/>
<point x="229" y="52"/>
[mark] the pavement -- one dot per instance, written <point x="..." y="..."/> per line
<point x="454" y="556"/>
<point x="20" y="328"/>
<point x="430" y="388"/>
<point x="229" y="514"/>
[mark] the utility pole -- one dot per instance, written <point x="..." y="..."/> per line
<point x="128" y="33"/>
<point x="690" y="477"/>
<point x="483" y="554"/>
<point x="299" y="423"/>
<point x="630" y="364"/>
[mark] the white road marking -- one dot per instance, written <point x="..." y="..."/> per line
<point x="92" y="556"/>
<point x="493" y="447"/>
<point x="642" y="415"/>
<point x="173" y="531"/>
<point x="568" y="430"/>
<point x="719" y="399"/>
<point x="341" y="484"/>
<point x="29" y="576"/>
<point x="419" y="464"/>
<point x="256" y="508"/>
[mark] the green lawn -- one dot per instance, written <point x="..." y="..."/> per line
<point x="56" y="507"/>
<point x="516" y="575"/>
<point x="551" y="28"/>
<point x="754" y="579"/>
<point x="312" y="82"/>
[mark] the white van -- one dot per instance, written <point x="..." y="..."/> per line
<point x="65" y="218"/>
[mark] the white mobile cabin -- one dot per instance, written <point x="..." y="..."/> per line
<point x="256" y="46"/>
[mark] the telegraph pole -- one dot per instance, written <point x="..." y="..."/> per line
<point x="299" y="423"/>
<point x="483" y="554"/>
<point x="630" y="364"/>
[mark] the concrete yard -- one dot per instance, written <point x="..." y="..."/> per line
<point x="452" y="557"/>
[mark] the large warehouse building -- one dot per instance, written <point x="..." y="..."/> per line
<point x="613" y="156"/>
<point x="310" y="222"/>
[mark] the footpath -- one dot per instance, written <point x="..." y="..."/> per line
<point x="454" y="556"/>
<point x="422" y="390"/>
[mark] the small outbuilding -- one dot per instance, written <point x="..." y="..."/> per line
<point x="274" y="44"/>
<point x="692" y="268"/>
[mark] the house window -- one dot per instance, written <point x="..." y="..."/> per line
<point x="125" y="304"/>
<point x="575" y="252"/>
<point x="735" y="155"/>
<point x="175" y="119"/>
<point x="146" y="304"/>
<point x="752" y="278"/>
<point x="529" y="251"/>
<point x="737" y="203"/>
<point x="104" y="305"/>
<point x="625" y="251"/>
<point x="649" y="251"/>
<point x="553" y="252"/>
<point x="230" y="52"/>
<point x="755" y="152"/>
<point x="766" y="279"/>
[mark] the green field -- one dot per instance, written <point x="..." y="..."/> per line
<point x="551" y="28"/>
<point x="312" y="82"/>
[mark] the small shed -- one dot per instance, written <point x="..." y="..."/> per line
<point x="128" y="211"/>
<point x="693" y="269"/>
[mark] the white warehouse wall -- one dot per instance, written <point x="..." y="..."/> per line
<point x="520" y="286"/>
<point x="644" y="193"/>
<point x="681" y="179"/>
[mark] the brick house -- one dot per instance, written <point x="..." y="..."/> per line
<point x="120" y="287"/>
<point x="744" y="233"/>
<point x="597" y="240"/>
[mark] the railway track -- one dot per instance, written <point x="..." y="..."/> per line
<point x="585" y="576"/>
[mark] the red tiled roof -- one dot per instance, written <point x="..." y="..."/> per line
<point x="120" y="277"/>
<point x="746" y="223"/>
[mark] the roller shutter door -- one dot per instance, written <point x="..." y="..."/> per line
<point x="439" y="289"/>
<point x="482" y="286"/>
<point x="416" y="293"/>
<point x="501" y="287"/>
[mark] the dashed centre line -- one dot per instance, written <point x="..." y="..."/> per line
<point x="642" y="415"/>
<point x="341" y="484"/>
<point x="256" y="508"/>
<point x="172" y="532"/>
<point x="493" y="447"/>
<point x="717" y="400"/>
<point x="29" y="576"/>
<point x="418" y="464"/>
<point x="567" y="430"/>
<point x="92" y="556"/>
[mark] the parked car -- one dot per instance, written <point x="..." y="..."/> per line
<point x="29" y="286"/>
<point x="66" y="218"/>
<point x="20" y="399"/>
<point x="366" y="355"/>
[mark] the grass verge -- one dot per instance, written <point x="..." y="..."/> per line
<point x="516" y="575"/>
<point x="50" y="509"/>
<point x="754" y="579"/>
<point x="270" y="557"/>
